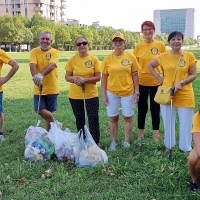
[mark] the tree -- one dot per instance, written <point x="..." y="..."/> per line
<point x="62" y="35"/>
<point x="38" y="20"/>
<point x="23" y="34"/>
<point x="106" y="37"/>
<point x="8" y="31"/>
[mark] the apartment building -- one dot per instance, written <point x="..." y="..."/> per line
<point x="169" y="20"/>
<point x="53" y="9"/>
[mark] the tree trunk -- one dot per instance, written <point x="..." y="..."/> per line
<point x="10" y="48"/>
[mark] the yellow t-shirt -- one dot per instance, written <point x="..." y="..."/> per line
<point x="4" y="58"/>
<point x="42" y="59"/>
<point x="145" y="52"/>
<point x="119" y="70"/>
<point x="196" y="123"/>
<point x="85" y="67"/>
<point x="168" y="62"/>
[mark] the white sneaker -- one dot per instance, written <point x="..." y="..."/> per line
<point x="113" y="145"/>
<point x="2" y="138"/>
<point x="126" y="145"/>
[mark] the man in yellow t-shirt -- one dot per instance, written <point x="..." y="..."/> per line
<point x="5" y="59"/>
<point x="43" y="67"/>
<point x="194" y="156"/>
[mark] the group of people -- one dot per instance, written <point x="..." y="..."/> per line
<point x="127" y="79"/>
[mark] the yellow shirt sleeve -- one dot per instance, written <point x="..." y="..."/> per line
<point x="4" y="58"/>
<point x="119" y="70"/>
<point x="145" y="52"/>
<point x="42" y="59"/>
<point x="84" y="67"/>
<point x="196" y="123"/>
<point x="182" y="64"/>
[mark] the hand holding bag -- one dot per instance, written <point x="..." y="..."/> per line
<point x="163" y="93"/>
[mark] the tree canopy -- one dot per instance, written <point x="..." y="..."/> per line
<point x="20" y="30"/>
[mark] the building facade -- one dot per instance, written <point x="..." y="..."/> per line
<point x="169" y="20"/>
<point x="53" y="9"/>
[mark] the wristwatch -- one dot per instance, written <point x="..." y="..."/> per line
<point x="138" y="93"/>
<point x="182" y="82"/>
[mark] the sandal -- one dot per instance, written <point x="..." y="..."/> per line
<point x="157" y="138"/>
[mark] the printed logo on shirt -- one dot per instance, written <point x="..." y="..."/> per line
<point x="154" y="51"/>
<point x="181" y="63"/>
<point x="125" y="62"/>
<point x="88" y="64"/>
<point x="48" y="56"/>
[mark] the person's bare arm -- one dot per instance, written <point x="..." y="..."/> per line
<point x="192" y="76"/>
<point x="14" y="67"/>
<point x="151" y="65"/>
<point x="104" y="78"/>
<point x="196" y="140"/>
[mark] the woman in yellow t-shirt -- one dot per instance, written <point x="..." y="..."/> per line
<point x="194" y="156"/>
<point x="119" y="84"/>
<point x="146" y="51"/>
<point x="84" y="68"/>
<point x="185" y="65"/>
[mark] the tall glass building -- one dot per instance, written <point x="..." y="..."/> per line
<point x="169" y="20"/>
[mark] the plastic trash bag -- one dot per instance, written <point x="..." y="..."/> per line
<point x="87" y="152"/>
<point x="64" y="142"/>
<point x="34" y="131"/>
<point x="38" y="145"/>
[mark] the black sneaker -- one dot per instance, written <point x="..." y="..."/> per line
<point x="193" y="186"/>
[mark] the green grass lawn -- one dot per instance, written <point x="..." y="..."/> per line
<point x="141" y="172"/>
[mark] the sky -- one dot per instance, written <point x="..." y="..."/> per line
<point x="126" y="14"/>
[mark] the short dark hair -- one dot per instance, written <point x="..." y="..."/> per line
<point x="148" y="23"/>
<point x="175" y="33"/>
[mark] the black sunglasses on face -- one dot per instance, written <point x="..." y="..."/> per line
<point x="78" y="44"/>
<point x="118" y="41"/>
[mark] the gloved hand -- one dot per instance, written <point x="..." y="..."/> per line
<point x="37" y="79"/>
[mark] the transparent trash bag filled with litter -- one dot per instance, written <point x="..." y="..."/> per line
<point x="64" y="142"/>
<point x="87" y="152"/>
<point x="38" y="145"/>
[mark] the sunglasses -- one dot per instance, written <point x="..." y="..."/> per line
<point x="118" y="41"/>
<point x="78" y="44"/>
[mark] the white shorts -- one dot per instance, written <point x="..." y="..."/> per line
<point x="114" y="102"/>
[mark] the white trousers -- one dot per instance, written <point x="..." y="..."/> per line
<point x="185" y="126"/>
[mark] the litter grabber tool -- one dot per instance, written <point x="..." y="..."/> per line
<point x="85" y="111"/>
<point x="39" y="103"/>
<point x="170" y="135"/>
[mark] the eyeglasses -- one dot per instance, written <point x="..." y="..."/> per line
<point x="118" y="41"/>
<point x="145" y="30"/>
<point x="78" y="44"/>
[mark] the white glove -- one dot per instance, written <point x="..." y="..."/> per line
<point x="37" y="79"/>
